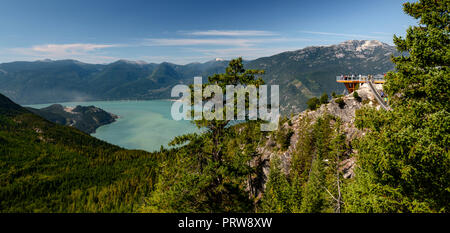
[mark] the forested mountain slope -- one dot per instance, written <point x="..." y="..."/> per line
<point x="46" y="167"/>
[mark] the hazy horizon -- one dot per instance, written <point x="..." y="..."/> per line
<point x="191" y="62"/>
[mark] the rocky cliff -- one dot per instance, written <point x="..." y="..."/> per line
<point x="345" y="111"/>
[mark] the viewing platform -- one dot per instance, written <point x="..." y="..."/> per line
<point x="352" y="81"/>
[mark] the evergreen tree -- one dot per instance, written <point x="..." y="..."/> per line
<point x="303" y="155"/>
<point x="313" y="103"/>
<point x="210" y="173"/>
<point x="323" y="99"/>
<point x="313" y="194"/>
<point x="334" y="181"/>
<point x="277" y="196"/>
<point x="404" y="162"/>
<point x="217" y="167"/>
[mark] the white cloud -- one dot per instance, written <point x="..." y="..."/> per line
<point x="180" y="60"/>
<point x="341" y="34"/>
<point x="246" y="53"/>
<point x="69" y="48"/>
<point x="63" y="49"/>
<point x="187" y="42"/>
<point x="218" y="41"/>
<point x="231" y="33"/>
<point x="85" y="52"/>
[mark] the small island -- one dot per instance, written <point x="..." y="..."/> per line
<point x="84" y="118"/>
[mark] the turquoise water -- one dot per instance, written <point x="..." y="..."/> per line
<point x="145" y="125"/>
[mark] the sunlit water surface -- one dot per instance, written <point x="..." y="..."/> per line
<point x="145" y="125"/>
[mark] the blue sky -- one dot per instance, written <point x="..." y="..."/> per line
<point x="187" y="31"/>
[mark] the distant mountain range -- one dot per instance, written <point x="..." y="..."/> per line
<point x="301" y="75"/>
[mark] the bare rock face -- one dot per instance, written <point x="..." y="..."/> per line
<point x="347" y="166"/>
<point x="346" y="112"/>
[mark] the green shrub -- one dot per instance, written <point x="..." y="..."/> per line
<point x="283" y="138"/>
<point x="324" y="99"/>
<point x="313" y="103"/>
<point x="340" y="101"/>
<point x="356" y="96"/>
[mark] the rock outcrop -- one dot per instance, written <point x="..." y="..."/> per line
<point x="346" y="113"/>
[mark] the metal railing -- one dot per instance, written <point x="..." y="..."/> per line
<point x="379" y="99"/>
<point x="360" y="78"/>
